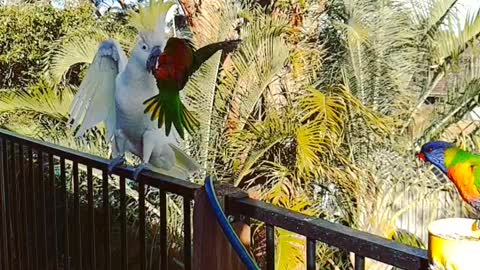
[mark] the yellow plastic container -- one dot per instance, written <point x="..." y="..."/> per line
<point x="453" y="244"/>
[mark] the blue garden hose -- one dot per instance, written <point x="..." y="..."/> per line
<point x="227" y="228"/>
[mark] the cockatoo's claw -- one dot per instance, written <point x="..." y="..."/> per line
<point x="141" y="167"/>
<point x="114" y="163"/>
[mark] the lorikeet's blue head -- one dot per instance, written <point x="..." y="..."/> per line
<point x="434" y="152"/>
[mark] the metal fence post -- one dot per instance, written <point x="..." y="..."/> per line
<point x="211" y="248"/>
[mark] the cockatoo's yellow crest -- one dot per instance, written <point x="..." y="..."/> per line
<point x="151" y="18"/>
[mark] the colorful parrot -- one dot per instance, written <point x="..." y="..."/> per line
<point x="461" y="167"/>
<point x="171" y="69"/>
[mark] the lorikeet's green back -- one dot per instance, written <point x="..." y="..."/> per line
<point x="171" y="69"/>
<point x="458" y="158"/>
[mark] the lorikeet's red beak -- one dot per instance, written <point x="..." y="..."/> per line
<point x="421" y="156"/>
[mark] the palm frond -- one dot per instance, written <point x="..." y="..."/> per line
<point x="80" y="48"/>
<point x="261" y="57"/>
<point x="41" y="111"/>
<point x="216" y="22"/>
<point x="381" y="58"/>
<point x="436" y="13"/>
<point x="451" y="44"/>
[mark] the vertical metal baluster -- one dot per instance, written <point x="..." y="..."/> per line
<point x="3" y="217"/>
<point x="270" y="247"/>
<point x="43" y="211"/>
<point x="14" y="202"/>
<point x="91" y="217"/>
<point x="4" y="191"/>
<point x="8" y="198"/>
<point x="26" y="224"/>
<point x="163" y="231"/>
<point x="76" y="209"/>
<point x="106" y="208"/>
<point x="187" y="235"/>
<point x="123" y="220"/>
<point x="311" y="253"/>
<point x="141" y="207"/>
<point x="34" y="209"/>
<point x="66" y="243"/>
<point x="53" y="238"/>
<point x="359" y="262"/>
<point x="18" y="209"/>
<point x="9" y="195"/>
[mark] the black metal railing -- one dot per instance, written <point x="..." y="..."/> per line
<point x="364" y="245"/>
<point x="43" y="225"/>
<point x="30" y="226"/>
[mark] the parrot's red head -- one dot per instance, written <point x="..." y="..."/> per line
<point x="173" y="63"/>
<point x="434" y="152"/>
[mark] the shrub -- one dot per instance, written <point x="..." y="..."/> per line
<point x="28" y="32"/>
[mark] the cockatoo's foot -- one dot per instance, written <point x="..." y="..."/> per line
<point x="141" y="167"/>
<point x="114" y="163"/>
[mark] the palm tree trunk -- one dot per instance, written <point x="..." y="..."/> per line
<point x="191" y="8"/>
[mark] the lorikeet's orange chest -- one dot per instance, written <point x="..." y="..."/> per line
<point x="174" y="64"/>
<point x="462" y="175"/>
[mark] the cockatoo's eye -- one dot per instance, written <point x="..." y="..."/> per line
<point x="144" y="47"/>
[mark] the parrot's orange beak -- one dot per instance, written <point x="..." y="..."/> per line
<point x="421" y="156"/>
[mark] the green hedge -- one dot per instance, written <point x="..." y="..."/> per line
<point x="27" y="34"/>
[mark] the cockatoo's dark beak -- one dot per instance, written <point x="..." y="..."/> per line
<point x="153" y="57"/>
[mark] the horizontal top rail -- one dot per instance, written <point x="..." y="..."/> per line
<point x="343" y="237"/>
<point x="164" y="182"/>
<point x="361" y="243"/>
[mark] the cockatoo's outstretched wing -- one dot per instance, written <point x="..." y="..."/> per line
<point x="95" y="100"/>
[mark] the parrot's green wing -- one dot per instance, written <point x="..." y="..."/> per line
<point x="476" y="171"/>
<point x="205" y="52"/>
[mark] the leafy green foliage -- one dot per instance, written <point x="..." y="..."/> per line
<point x="41" y="111"/>
<point x="310" y="113"/>
<point x="27" y="33"/>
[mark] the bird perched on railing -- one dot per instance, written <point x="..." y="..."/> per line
<point x="114" y="90"/>
<point x="461" y="167"/>
<point x="172" y="69"/>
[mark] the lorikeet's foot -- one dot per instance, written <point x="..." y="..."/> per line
<point x="114" y="163"/>
<point x="141" y="167"/>
<point x="476" y="228"/>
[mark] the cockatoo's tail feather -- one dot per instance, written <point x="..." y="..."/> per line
<point x="184" y="166"/>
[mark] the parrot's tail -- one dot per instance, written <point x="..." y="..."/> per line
<point x="169" y="109"/>
<point x="184" y="166"/>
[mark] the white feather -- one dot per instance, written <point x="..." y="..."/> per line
<point x="95" y="100"/>
<point x="184" y="166"/>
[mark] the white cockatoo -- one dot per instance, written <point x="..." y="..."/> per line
<point x="113" y="92"/>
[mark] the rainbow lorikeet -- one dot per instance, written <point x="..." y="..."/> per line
<point x="171" y="69"/>
<point x="461" y="167"/>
